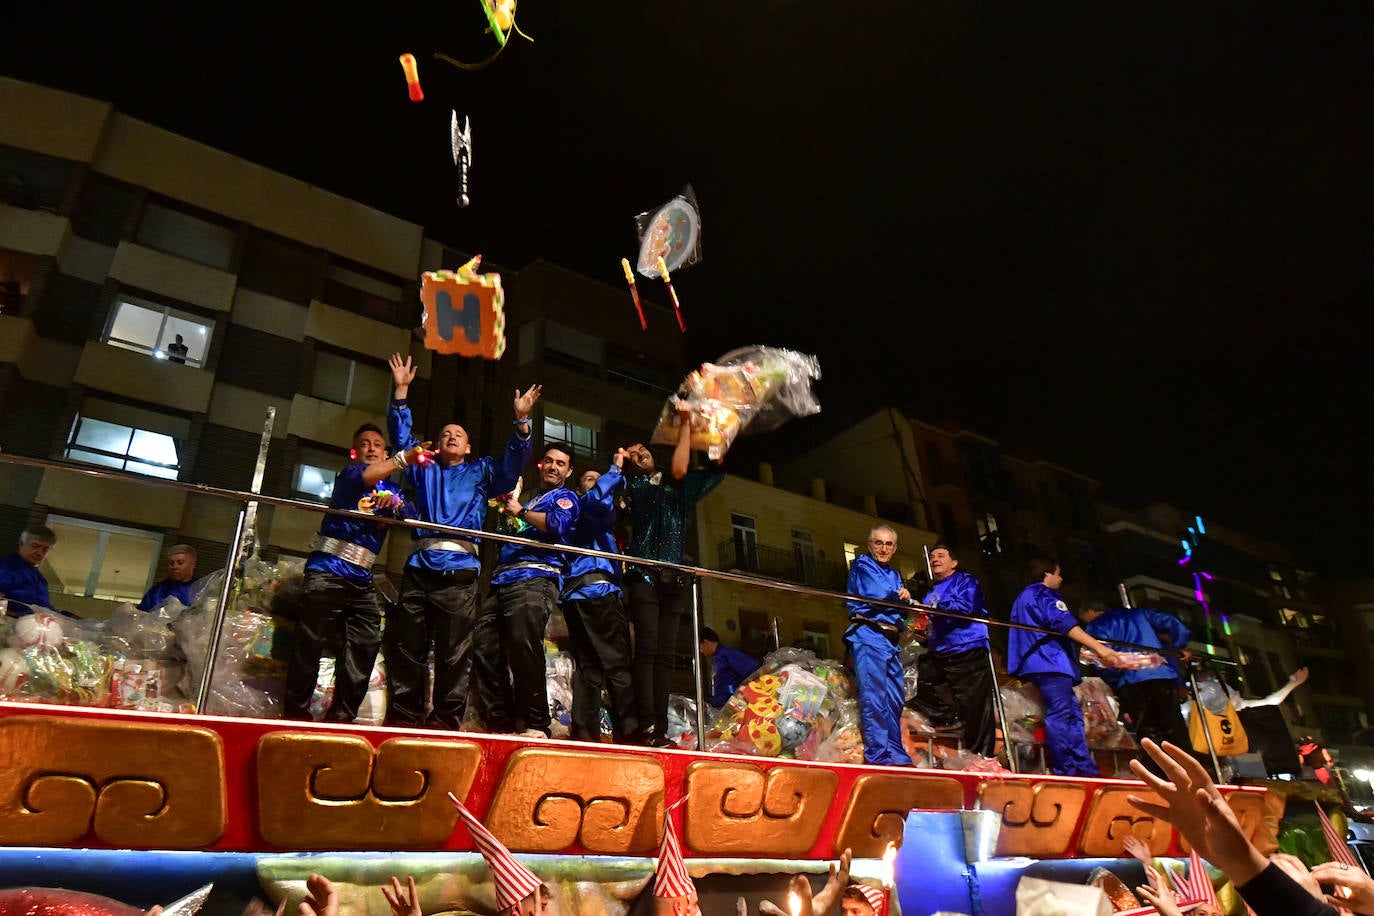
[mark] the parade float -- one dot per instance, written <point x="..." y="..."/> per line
<point x="113" y="787"/>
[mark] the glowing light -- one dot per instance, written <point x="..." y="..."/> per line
<point x="1201" y="528"/>
<point x="1187" y="548"/>
<point x="889" y="856"/>
<point x="158" y="354"/>
<point x="1205" y="575"/>
<point x="1363" y="775"/>
<point x="1226" y="624"/>
<point x="794" y="903"/>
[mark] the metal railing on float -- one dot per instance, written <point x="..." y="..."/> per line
<point x="244" y="531"/>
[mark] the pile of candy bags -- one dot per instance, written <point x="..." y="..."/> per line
<point x="1025" y="712"/>
<point x="795" y="706"/>
<point x="749" y="390"/>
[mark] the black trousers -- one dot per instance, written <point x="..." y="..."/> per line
<point x="342" y="614"/>
<point x="508" y="654"/>
<point x="599" y="636"/>
<point x="656" y="611"/>
<point x="1152" y="707"/>
<point x="968" y="676"/>
<point x="437" y="609"/>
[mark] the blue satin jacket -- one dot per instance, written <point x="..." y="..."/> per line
<point x="1140" y="626"/>
<point x="957" y="592"/>
<point x="349" y="491"/>
<point x="595" y="530"/>
<point x="530" y="561"/>
<point x="1037" y="653"/>
<point x="870" y="579"/>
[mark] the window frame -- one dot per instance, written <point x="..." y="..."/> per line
<point x="106" y="529"/>
<point x="127" y="457"/>
<point x="157" y="350"/>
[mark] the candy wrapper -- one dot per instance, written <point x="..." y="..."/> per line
<point x="558" y="672"/>
<point x="671" y="232"/>
<point x="682" y="721"/>
<point x="748" y="391"/>
<point x="1125" y="661"/>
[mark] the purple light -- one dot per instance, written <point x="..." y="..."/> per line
<point x="1183" y="561"/>
<point x="1197" y="593"/>
<point x="1206" y="575"/>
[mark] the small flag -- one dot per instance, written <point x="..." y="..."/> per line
<point x="514" y="882"/>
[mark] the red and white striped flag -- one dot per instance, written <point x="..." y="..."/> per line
<point x="670" y="876"/>
<point x="873" y="895"/>
<point x="1340" y="852"/>
<point x="514" y="882"/>
<point x="1198" y="884"/>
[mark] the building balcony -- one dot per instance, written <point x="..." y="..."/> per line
<point x="788" y="565"/>
<point x="33" y="231"/>
<point x="144" y="378"/>
<point x="355" y="333"/>
<point x="96" y="497"/>
<point x="169" y="275"/>
<point x="325" y="421"/>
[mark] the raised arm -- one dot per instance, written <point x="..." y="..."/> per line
<point x="1278" y="696"/>
<point x="682" y="452"/>
<point x="398" y="421"/>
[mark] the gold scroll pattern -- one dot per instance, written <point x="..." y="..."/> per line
<point x="334" y="792"/>
<point x="1038" y="819"/>
<point x="548" y="800"/>
<point x="737" y="809"/>
<point x="1258" y="827"/>
<point x="133" y="786"/>
<point x="1112" y="818"/>
<point x="878" y="806"/>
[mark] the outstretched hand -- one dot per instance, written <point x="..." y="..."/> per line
<point x="827" y="900"/>
<point x="1158" y="895"/>
<point x="1137" y="849"/>
<point x="1354" y="889"/>
<point x="404" y="901"/>
<point x="524" y="403"/>
<point x="1197" y="810"/>
<point x="322" y="897"/>
<point x="402" y="371"/>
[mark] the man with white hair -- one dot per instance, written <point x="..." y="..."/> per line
<point x="872" y="639"/>
<point x="20" y="580"/>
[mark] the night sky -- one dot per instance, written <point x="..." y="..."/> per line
<point x="1132" y="242"/>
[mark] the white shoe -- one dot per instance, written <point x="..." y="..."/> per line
<point x="533" y="733"/>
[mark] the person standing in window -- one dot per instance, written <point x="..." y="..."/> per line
<point x="658" y="508"/>
<point x="177" y="350"/>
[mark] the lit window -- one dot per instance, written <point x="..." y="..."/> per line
<point x="316" y="472"/>
<point x="988" y="537"/>
<point x="581" y="432"/>
<point x="96" y="560"/>
<point x="126" y="448"/>
<point x="851" y="552"/>
<point x="350" y="382"/>
<point x="159" y="330"/>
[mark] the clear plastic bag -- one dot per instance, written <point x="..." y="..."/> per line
<point x="671" y="232"/>
<point x="1024" y="709"/>
<point x="1100" y="709"/>
<point x="747" y="391"/>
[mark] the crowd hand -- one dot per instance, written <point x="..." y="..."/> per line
<point x="259" y="907"/>
<point x="827" y="900"/>
<point x="1158" y="895"/>
<point x="1354" y="889"/>
<point x="1196" y="809"/>
<point x="404" y="901"/>
<point x="1298" y="871"/>
<point x="802" y="888"/>
<point x="322" y="897"/>
<point x="524" y="403"/>
<point x="1299" y="676"/>
<point x="1137" y="849"/>
<point x="402" y="373"/>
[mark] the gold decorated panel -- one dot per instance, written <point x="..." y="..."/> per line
<point x="334" y="792"/>
<point x="1112" y="818"/>
<point x="878" y="806"/>
<point x="1038" y="819"/>
<point x="550" y="800"/>
<point x="131" y="785"/>
<point x="738" y="809"/>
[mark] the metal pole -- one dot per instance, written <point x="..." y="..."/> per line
<point x="777" y="638"/>
<point x="696" y="663"/>
<point x="243" y="530"/>
<point x="1125" y="595"/>
<point x="930" y="573"/>
<point x="1001" y="714"/>
<point x="1198" y="709"/>
<point x="212" y="644"/>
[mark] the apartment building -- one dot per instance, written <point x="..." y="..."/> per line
<point x="119" y="239"/>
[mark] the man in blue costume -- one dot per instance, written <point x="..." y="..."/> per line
<point x="438" y="600"/>
<point x="1050" y="662"/>
<point x="1148" y="696"/>
<point x="957" y="654"/>
<point x="872" y="639"/>
<point x="340" y="604"/>
<point x="729" y="667"/>
<point x="508" y="644"/>
<point x="20" y="580"/>
<point x="598" y="627"/>
<point x="659" y="508"/>
<point x="180" y="582"/>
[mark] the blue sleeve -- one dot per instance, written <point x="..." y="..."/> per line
<point x="512" y="462"/>
<point x="966" y="596"/>
<point x="1052" y="616"/>
<point x="598" y="504"/>
<point x="866" y="580"/>
<point x="560" y="521"/>
<point x="1167" y="623"/>
<point x="697" y="484"/>
<point x="6" y="579"/>
<point x="399" y="426"/>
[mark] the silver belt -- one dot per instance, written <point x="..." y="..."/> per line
<point x="530" y="564"/>
<point x="445" y="544"/>
<point x="344" y="550"/>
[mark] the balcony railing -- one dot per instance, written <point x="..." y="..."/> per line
<point x="776" y="563"/>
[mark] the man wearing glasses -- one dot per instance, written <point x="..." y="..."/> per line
<point x="872" y="639"/>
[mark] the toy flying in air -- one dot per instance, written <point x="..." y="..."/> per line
<point x="462" y="154"/>
<point x="464" y="311"/>
<point x="669" y="239"/>
<point x="501" y="23"/>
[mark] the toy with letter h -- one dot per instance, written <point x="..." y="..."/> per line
<point x="464" y="311"/>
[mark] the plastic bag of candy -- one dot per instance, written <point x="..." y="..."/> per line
<point x="748" y="391"/>
<point x="786" y="708"/>
<point x="558" y="672"/>
<point x="1024" y="709"/>
<point x="1129" y="661"/>
<point x="682" y="721"/>
<point x="845" y="743"/>
<point x="1100" y="711"/>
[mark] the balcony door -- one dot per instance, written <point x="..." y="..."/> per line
<point x="746" y="541"/>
